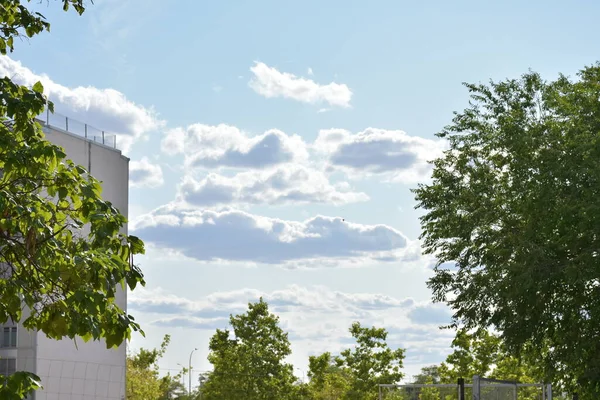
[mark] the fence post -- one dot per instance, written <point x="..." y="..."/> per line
<point x="380" y="393"/>
<point x="103" y="137"/>
<point x="461" y="389"/>
<point x="476" y="388"/>
<point x="67" y="124"/>
<point x="85" y="127"/>
<point x="47" y="116"/>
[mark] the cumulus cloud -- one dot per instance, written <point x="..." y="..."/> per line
<point x="227" y="146"/>
<point x="377" y="151"/>
<point x="286" y="184"/>
<point x="105" y="109"/>
<point x="269" y="82"/>
<point x="193" y="323"/>
<point x="314" y="315"/>
<point x="234" y="235"/>
<point x="292" y="299"/>
<point x="143" y="173"/>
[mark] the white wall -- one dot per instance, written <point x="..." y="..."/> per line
<point x="88" y="370"/>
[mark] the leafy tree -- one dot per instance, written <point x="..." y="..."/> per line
<point x="66" y="277"/>
<point x="250" y="365"/>
<point x="428" y="375"/>
<point x="143" y="379"/>
<point x="370" y="363"/>
<point x="514" y="204"/>
<point x="518" y="370"/>
<point x="473" y="354"/>
<point x="483" y="353"/>
<point x="510" y="368"/>
<point x="429" y="393"/>
<point x="327" y="380"/>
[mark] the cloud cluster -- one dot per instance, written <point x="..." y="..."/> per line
<point x="269" y="82"/>
<point x="206" y="146"/>
<point x="143" y="173"/>
<point x="377" y="151"/>
<point x="309" y="314"/>
<point x="276" y="169"/>
<point x="282" y="169"/>
<point x="234" y="235"/>
<point x="286" y="184"/>
<point x="392" y="154"/>
<point x="317" y="299"/>
<point x="105" y="109"/>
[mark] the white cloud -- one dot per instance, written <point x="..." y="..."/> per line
<point x="286" y="184"/>
<point x="377" y="151"/>
<point x="314" y="315"/>
<point x="105" y="109"/>
<point x="145" y="174"/>
<point x="234" y="235"/>
<point x="174" y="141"/>
<point x="193" y="323"/>
<point x="270" y="83"/>
<point x="310" y="71"/>
<point x="290" y="299"/>
<point x="227" y="146"/>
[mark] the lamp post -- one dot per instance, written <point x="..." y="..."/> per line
<point x="190" y="373"/>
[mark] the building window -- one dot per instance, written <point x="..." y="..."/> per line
<point x="9" y="336"/>
<point x="8" y="366"/>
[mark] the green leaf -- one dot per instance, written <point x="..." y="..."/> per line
<point x="38" y="87"/>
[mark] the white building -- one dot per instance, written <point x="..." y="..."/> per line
<point x="86" y="370"/>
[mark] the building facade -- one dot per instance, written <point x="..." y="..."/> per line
<point x="75" y="370"/>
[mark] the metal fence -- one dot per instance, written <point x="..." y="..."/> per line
<point x="480" y="389"/>
<point x="63" y="123"/>
<point x="495" y="389"/>
<point x="421" y="392"/>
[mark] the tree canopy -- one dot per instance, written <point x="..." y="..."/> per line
<point x="144" y="381"/>
<point x="356" y="372"/>
<point x="63" y="252"/>
<point x="513" y="207"/>
<point x="370" y="362"/>
<point x="473" y="354"/>
<point x="327" y="379"/>
<point x="251" y="363"/>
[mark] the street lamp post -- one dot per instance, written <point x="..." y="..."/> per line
<point x="190" y="373"/>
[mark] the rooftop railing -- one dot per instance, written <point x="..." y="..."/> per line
<point x="62" y="122"/>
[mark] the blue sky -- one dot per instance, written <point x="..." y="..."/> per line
<point x="273" y="146"/>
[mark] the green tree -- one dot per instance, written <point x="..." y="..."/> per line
<point x="473" y="354"/>
<point x="429" y="374"/>
<point x="370" y="363"/>
<point x="514" y="205"/>
<point x="143" y="379"/>
<point x="250" y="365"/>
<point x="328" y="381"/>
<point x="429" y="393"/>
<point x="48" y="264"/>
